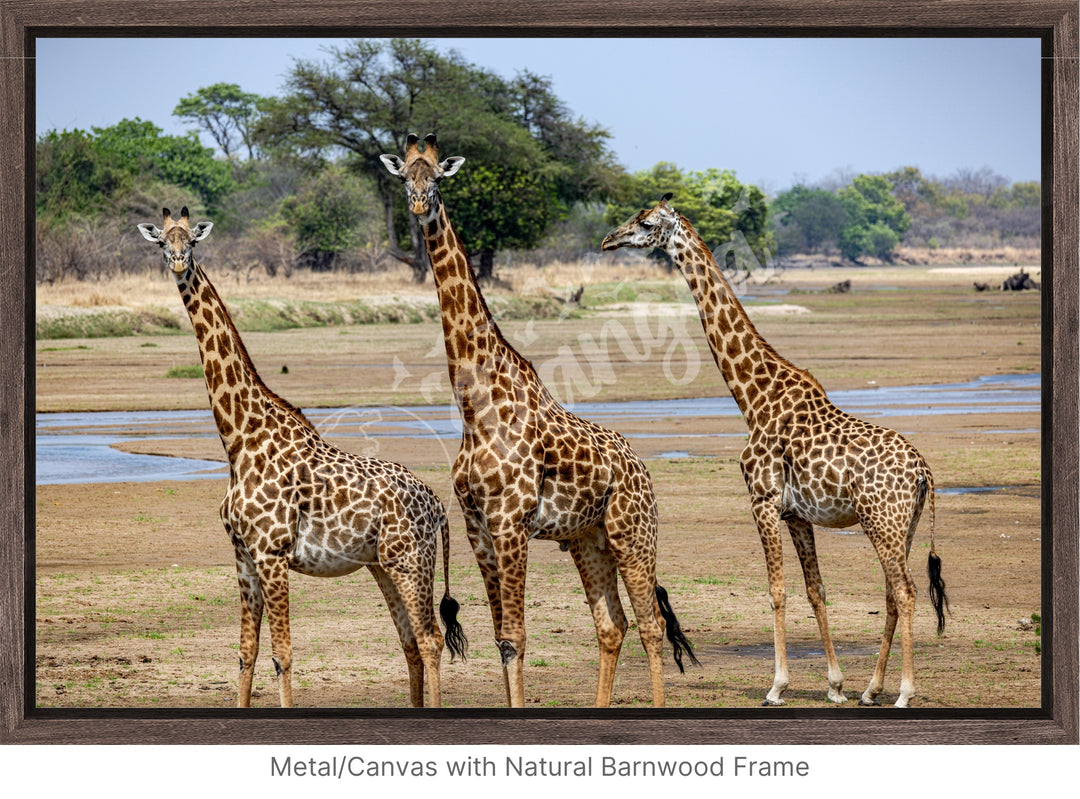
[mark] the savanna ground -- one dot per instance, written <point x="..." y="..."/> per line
<point x="137" y="604"/>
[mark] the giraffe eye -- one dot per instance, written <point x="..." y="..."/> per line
<point x="648" y="225"/>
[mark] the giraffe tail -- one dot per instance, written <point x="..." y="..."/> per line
<point x="449" y="607"/>
<point x="938" y="598"/>
<point x="679" y="641"/>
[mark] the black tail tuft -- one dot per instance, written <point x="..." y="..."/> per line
<point x="455" y="636"/>
<point x="679" y="642"/>
<point x="938" y="597"/>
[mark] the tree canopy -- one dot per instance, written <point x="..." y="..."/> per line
<point x="371" y="94"/>
<point x="719" y="206"/>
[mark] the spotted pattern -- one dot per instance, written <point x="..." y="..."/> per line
<point x="296" y="502"/>
<point x="528" y="468"/>
<point x="806" y="462"/>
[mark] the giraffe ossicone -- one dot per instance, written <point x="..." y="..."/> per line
<point x="530" y="469"/>
<point x="297" y="502"/>
<point x="806" y="462"/>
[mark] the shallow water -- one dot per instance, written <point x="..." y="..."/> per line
<point x="77" y="447"/>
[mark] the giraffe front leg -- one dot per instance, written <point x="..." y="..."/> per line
<point x="251" y="610"/>
<point x="767" y="517"/>
<point x="484" y="551"/>
<point x="274" y="581"/>
<point x="802" y="534"/>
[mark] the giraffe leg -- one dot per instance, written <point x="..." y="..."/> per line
<point x="274" y="581"/>
<point x="900" y="589"/>
<point x="511" y="546"/>
<point x="767" y="517"/>
<point x="802" y="534"/>
<point x="251" y="611"/>
<point x="405" y="634"/>
<point x="877" y="682"/>
<point x="410" y="567"/>
<point x="599" y="577"/>
<point x="484" y="551"/>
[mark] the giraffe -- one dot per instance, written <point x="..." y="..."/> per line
<point x="296" y="502"/>
<point x="806" y="462"/>
<point x="528" y="468"/>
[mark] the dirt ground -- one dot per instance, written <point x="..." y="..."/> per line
<point x="137" y="604"/>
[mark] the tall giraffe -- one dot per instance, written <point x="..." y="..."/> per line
<point x="806" y="462"/>
<point x="528" y="468"/>
<point x="296" y="502"/>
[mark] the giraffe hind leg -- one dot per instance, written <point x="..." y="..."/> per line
<point x="802" y="534"/>
<point x="599" y="579"/>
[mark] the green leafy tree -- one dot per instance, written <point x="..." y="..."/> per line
<point x="74" y="176"/>
<point x="497" y="206"/>
<point x="807" y="220"/>
<point x="875" y="218"/>
<point x="326" y="216"/>
<point x="180" y="160"/>
<point x="227" y="113"/>
<point x="721" y="209"/>
<point x="372" y="93"/>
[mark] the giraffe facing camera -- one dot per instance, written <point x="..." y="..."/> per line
<point x="297" y="502"/>
<point x="529" y="469"/>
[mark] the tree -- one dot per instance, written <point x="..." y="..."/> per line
<point x="497" y="206"/>
<point x="373" y="93"/>
<point x="720" y="207"/>
<point x="326" y="216"/>
<point x="181" y="160"/>
<point x="807" y="220"/>
<point x="875" y="218"/>
<point x="227" y="113"/>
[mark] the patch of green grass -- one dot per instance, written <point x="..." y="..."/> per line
<point x="108" y="323"/>
<point x="186" y="371"/>
<point x="63" y="349"/>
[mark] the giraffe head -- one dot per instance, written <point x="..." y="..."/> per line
<point x="176" y="239"/>
<point x="421" y="172"/>
<point x="651" y="227"/>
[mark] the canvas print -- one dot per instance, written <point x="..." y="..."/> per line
<point x="475" y="373"/>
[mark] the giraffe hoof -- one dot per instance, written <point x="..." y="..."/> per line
<point x="864" y="702"/>
<point x="772" y="702"/>
<point x="836" y="697"/>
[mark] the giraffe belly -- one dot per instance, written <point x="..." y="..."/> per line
<point x="563" y="512"/>
<point x="817" y="506"/>
<point x="321" y="551"/>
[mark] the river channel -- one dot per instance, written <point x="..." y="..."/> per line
<point x="79" y="447"/>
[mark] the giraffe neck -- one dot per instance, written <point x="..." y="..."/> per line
<point x="238" y="397"/>
<point x="746" y="360"/>
<point x="475" y="348"/>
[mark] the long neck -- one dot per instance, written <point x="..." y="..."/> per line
<point x="238" y="397"/>
<point x="746" y="361"/>
<point x="475" y="348"/>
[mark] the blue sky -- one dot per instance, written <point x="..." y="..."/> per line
<point x="777" y="111"/>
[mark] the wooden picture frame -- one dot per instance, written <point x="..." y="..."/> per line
<point x="1054" y="22"/>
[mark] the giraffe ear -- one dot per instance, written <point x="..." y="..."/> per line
<point x="150" y="232"/>
<point x="451" y="165"/>
<point x="202" y="230"/>
<point x="666" y="197"/>
<point x="393" y="164"/>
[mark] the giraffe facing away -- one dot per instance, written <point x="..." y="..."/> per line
<point x="806" y="462"/>
<point x="296" y="502"/>
<point x="528" y="468"/>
